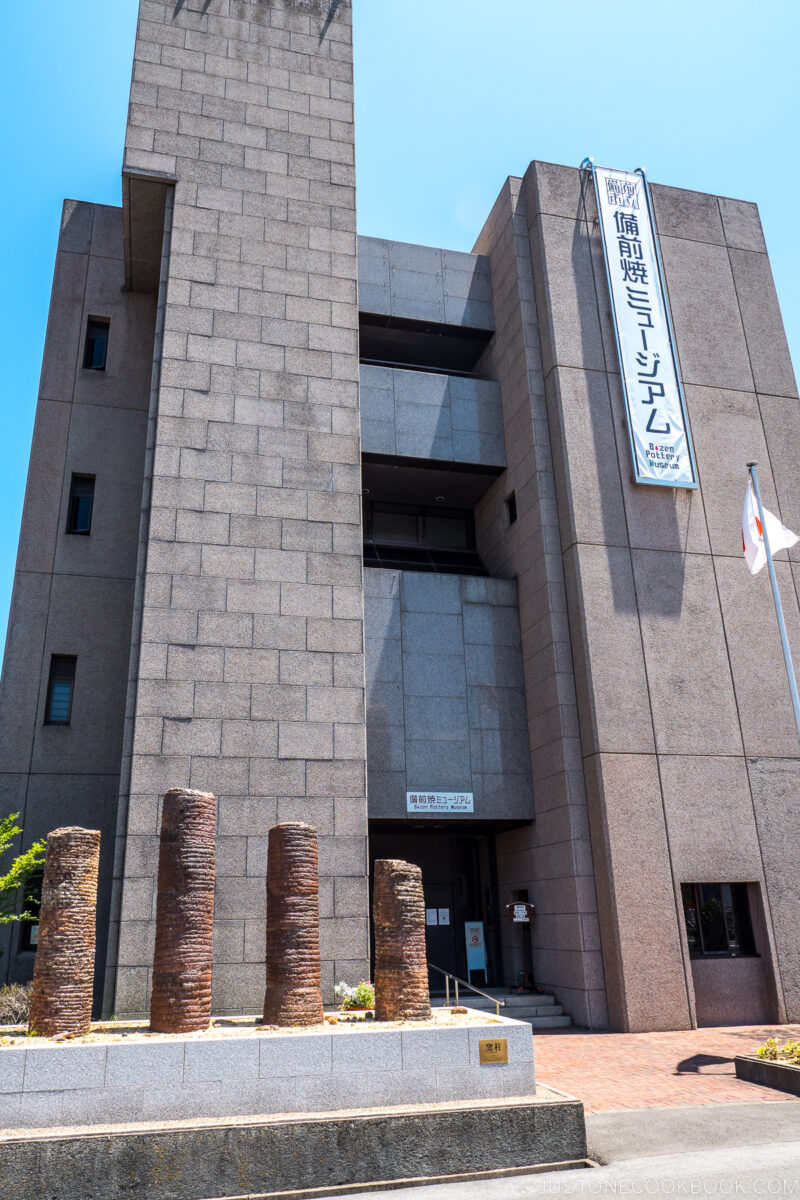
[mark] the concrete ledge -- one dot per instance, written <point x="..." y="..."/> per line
<point x="381" y="1185"/>
<point x="294" y="1155"/>
<point x="783" y="1076"/>
<point x="244" y="1071"/>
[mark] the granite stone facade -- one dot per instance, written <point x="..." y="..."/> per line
<point x="445" y="699"/>
<point x="252" y="565"/>
<point x="74" y="595"/>
<point x="592" y="661"/>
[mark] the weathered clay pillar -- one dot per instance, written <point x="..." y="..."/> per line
<point x="398" y="918"/>
<point x="64" y="969"/>
<point x="293" y="995"/>
<point x="181" y="999"/>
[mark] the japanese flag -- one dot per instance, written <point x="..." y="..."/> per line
<point x="780" y="538"/>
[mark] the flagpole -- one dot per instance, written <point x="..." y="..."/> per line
<point x="787" y="656"/>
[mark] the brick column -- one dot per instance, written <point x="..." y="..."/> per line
<point x="251" y="673"/>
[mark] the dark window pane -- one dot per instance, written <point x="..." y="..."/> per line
<point x="418" y="538"/>
<point x="690" y="913"/>
<point x="712" y="919"/>
<point x="81" y="500"/>
<point x="94" y="358"/>
<point x="744" y="926"/>
<point x="731" y="927"/>
<point x="717" y="918"/>
<point x="60" y="688"/>
<point x="394" y="527"/>
<point x="511" y="506"/>
<point x="447" y="532"/>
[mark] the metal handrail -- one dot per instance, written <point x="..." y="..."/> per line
<point x="448" y="975"/>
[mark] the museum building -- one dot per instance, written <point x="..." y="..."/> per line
<point x="345" y="530"/>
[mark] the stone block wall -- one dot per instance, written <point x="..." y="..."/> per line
<point x="445" y="702"/>
<point x="423" y="283"/>
<point x="249" y="1074"/>
<point x="422" y="414"/>
<point x="250" y="675"/>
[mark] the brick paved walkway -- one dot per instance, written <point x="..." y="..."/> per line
<point x="653" y="1070"/>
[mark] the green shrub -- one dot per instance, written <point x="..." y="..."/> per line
<point x="22" y="867"/>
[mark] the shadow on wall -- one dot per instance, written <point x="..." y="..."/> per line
<point x="654" y="510"/>
<point x="181" y="4"/>
<point x="307" y="5"/>
<point x="384" y="695"/>
<point x="445" y="699"/>
<point x="331" y="14"/>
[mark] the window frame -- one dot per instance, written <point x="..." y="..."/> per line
<point x="57" y="661"/>
<point x="692" y="898"/>
<point x="88" y="356"/>
<point x="420" y="554"/>
<point x="74" y="497"/>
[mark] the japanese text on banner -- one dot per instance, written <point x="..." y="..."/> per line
<point x="656" y="415"/>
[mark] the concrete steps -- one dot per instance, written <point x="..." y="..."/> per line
<point x="538" y="1009"/>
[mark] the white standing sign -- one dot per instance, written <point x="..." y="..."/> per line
<point x="439" y="802"/>
<point x="657" y="423"/>
<point x="476" y="948"/>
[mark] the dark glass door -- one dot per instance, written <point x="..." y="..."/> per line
<point x="440" y="930"/>
<point x="458" y="888"/>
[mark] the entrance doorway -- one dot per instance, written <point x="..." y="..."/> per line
<point x="459" y="881"/>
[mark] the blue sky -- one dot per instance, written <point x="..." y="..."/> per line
<point x="451" y="97"/>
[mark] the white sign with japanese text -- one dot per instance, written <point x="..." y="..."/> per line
<point x="439" y="802"/>
<point x="657" y="424"/>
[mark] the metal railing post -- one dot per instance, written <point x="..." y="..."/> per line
<point x="448" y="975"/>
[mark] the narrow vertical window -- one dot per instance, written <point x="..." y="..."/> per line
<point x="94" y="358"/>
<point x="511" y="508"/>
<point x="60" y="689"/>
<point x="81" y="501"/>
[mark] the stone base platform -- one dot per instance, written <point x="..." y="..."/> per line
<point x="290" y="1156"/>
<point x="123" y="1074"/>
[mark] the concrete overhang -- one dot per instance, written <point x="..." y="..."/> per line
<point x="144" y="199"/>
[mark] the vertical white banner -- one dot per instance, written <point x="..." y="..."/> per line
<point x="657" y="423"/>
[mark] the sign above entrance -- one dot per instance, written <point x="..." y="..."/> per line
<point x="658" y="428"/>
<point x="439" y="802"/>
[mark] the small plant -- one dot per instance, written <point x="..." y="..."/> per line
<point x="15" y="1001"/>
<point x="788" y="1052"/>
<point x="360" y="996"/>
<point x="22" y="868"/>
<point x="791" y="1051"/>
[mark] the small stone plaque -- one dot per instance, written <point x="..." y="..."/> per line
<point x="493" y="1050"/>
